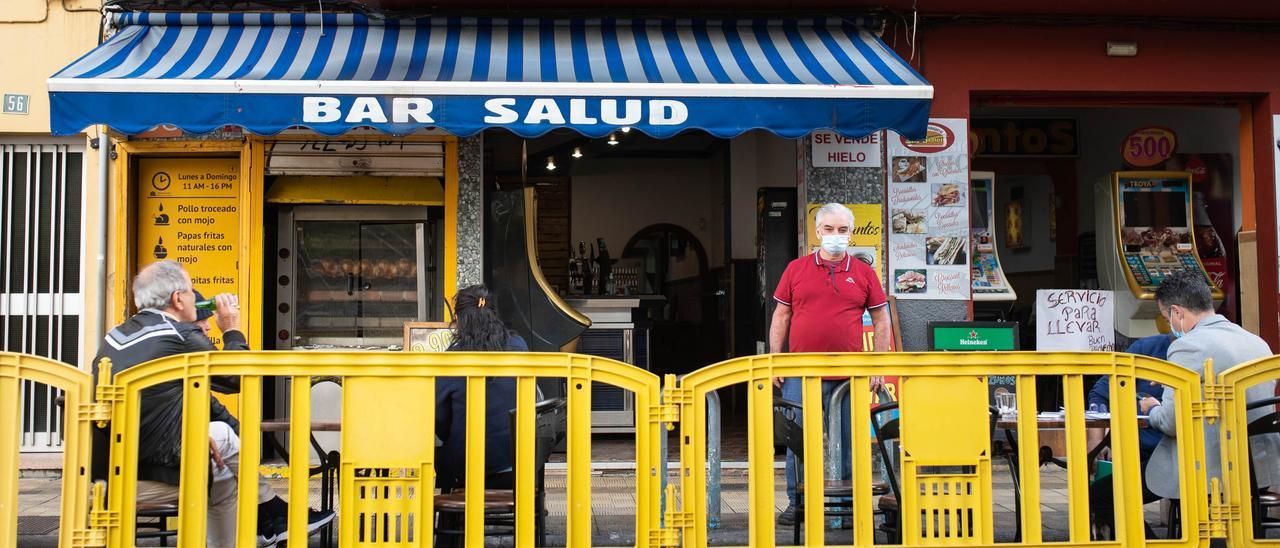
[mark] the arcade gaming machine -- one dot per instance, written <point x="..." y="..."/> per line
<point x="1145" y="234"/>
<point x="989" y="282"/>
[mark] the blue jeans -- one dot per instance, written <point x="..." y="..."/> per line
<point x="792" y="389"/>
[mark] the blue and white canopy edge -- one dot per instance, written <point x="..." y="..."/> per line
<point x="267" y="72"/>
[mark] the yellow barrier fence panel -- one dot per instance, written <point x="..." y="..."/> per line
<point x="945" y="465"/>
<point x="250" y="458"/>
<point x="1029" y="456"/>
<point x="193" y="493"/>
<point x="10" y="420"/>
<point x="77" y="389"/>
<point x="814" y="510"/>
<point x="299" y="457"/>
<point x="387" y="469"/>
<point x="1237" y="389"/>
<point x="1077" y="476"/>
<point x="579" y="455"/>
<point x="945" y="446"/>
<point x="1127" y="478"/>
<point x="526" y="398"/>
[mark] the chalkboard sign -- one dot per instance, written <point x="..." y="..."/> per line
<point x="427" y="336"/>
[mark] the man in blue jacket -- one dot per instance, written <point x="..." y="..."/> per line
<point x="1100" y="492"/>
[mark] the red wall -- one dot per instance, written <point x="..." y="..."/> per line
<point x="1068" y="64"/>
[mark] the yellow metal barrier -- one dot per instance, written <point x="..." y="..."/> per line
<point x="77" y="387"/>
<point x="945" y="443"/>
<point x="388" y="424"/>
<point x="1233" y="504"/>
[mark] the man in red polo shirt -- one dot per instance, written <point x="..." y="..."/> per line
<point x="821" y="298"/>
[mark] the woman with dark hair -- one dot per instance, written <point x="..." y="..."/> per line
<point x="477" y="328"/>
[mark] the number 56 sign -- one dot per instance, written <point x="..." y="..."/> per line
<point x="1149" y="146"/>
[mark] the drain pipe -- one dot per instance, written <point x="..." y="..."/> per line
<point x="104" y="157"/>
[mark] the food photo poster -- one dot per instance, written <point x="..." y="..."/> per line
<point x="928" y="212"/>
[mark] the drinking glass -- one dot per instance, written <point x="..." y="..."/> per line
<point x="1007" y="404"/>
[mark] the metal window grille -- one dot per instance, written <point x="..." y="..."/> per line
<point x="41" y="198"/>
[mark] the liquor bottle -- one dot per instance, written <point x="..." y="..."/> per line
<point x="207" y="304"/>
<point x="605" y="269"/>
<point x="593" y="268"/>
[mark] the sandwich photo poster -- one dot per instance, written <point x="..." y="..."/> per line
<point x="928" y="210"/>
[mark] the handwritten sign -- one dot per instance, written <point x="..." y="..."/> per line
<point x="830" y="149"/>
<point x="927" y="191"/>
<point x="427" y="336"/>
<point x="1075" y="320"/>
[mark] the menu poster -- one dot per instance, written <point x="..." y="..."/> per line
<point x="1075" y="320"/>
<point x="188" y="212"/>
<point x="928" y="201"/>
<point x="867" y="236"/>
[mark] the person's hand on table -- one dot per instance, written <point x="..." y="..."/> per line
<point x="1147" y="404"/>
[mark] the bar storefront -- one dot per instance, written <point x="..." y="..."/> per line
<point x="606" y="177"/>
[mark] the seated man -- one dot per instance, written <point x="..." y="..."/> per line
<point x="1184" y="299"/>
<point x="165" y="327"/>
<point x="1100" y="491"/>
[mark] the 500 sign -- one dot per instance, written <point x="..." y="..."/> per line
<point x="1149" y="146"/>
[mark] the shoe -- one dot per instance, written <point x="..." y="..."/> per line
<point x="315" y="520"/>
<point x="271" y="530"/>
<point x="788" y="517"/>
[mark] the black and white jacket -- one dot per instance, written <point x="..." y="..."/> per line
<point x="149" y="335"/>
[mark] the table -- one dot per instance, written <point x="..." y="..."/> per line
<point x="1010" y="427"/>
<point x="328" y="468"/>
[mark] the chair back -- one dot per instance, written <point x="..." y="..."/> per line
<point x="887" y="427"/>
<point x="786" y="426"/>
<point x="550" y="430"/>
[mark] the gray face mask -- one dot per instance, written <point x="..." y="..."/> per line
<point x="835" y="244"/>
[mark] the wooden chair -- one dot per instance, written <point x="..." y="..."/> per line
<point x="788" y="432"/>
<point x="500" y="504"/>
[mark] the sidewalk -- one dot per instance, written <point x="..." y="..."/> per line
<point x="613" y="505"/>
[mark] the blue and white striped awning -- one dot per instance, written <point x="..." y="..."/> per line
<point x="336" y="72"/>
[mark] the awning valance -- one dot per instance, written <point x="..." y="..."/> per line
<point x="267" y="72"/>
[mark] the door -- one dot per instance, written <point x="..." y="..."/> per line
<point x="353" y="276"/>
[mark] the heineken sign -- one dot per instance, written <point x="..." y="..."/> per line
<point x="973" y="336"/>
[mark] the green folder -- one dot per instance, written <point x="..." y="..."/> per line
<point x="1103" y="470"/>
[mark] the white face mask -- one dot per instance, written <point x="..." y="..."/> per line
<point x="835" y="244"/>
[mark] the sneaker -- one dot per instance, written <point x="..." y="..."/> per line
<point x="788" y="516"/>
<point x="271" y="530"/>
<point x="315" y="520"/>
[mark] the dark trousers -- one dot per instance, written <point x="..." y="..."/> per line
<point x="1102" y="505"/>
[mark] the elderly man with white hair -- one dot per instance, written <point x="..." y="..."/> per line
<point x="821" y="298"/>
<point x="165" y="326"/>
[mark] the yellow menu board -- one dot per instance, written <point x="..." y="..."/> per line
<point x="188" y="211"/>
<point x="867" y="236"/>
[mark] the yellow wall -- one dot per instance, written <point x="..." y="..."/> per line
<point x="38" y="38"/>
<point x="252" y="202"/>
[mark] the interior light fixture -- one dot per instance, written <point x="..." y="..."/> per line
<point x="626" y="129"/>
<point x="1122" y="49"/>
<point x="551" y="163"/>
<point x="577" y="152"/>
<point x="613" y="138"/>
